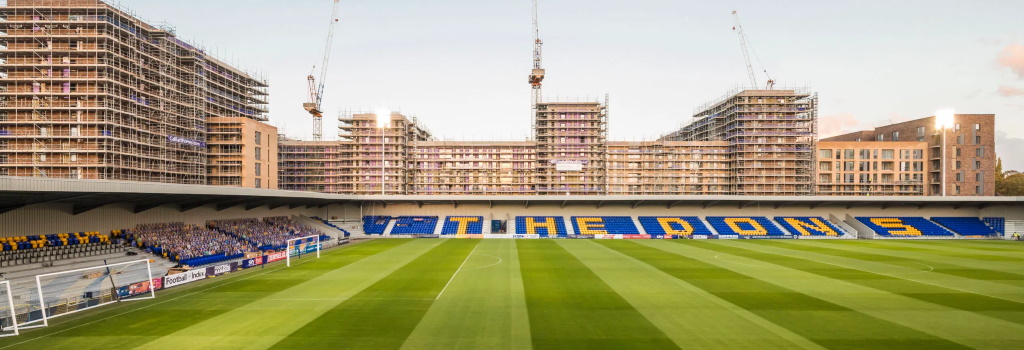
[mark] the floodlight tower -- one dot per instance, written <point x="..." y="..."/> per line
<point x="944" y="120"/>
<point x="537" y="74"/>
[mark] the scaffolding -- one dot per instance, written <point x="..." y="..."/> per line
<point x="771" y="136"/>
<point x="89" y="91"/>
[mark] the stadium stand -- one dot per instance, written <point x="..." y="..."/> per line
<point x="907" y="226"/>
<point x="542" y="225"/>
<point x="965" y="226"/>
<point x="809" y="226"/>
<point x="460" y="225"/>
<point x="591" y="225"/>
<point x="187" y="244"/>
<point x="744" y="226"/>
<point x="375" y="224"/>
<point x="997" y="223"/>
<point x="272" y="233"/>
<point x="414" y="225"/>
<point x="674" y="225"/>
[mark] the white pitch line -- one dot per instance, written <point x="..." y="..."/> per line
<point x="480" y="267"/>
<point x="457" y="271"/>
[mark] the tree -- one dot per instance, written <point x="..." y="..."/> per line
<point x="1010" y="182"/>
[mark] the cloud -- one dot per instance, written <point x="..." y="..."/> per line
<point x="1008" y="148"/>
<point x="1008" y="91"/>
<point x="1012" y="57"/>
<point x="836" y="124"/>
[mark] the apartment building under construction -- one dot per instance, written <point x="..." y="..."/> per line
<point x="771" y="136"/>
<point x="90" y="91"/>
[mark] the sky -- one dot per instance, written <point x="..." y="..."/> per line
<point x="460" y="66"/>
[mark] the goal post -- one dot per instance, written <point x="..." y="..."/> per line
<point x="67" y="292"/>
<point x="298" y="246"/>
<point x="8" y="321"/>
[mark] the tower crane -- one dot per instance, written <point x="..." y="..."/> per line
<point x="537" y="74"/>
<point x="746" y="56"/>
<point x="316" y="91"/>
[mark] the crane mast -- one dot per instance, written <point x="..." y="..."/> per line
<point x="743" y="46"/>
<point x="537" y="74"/>
<point x="316" y="88"/>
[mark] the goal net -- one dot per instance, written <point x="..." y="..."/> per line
<point x="67" y="292"/>
<point x="303" y="245"/>
<point x="8" y="323"/>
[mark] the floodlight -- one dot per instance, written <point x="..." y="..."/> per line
<point x="383" y="118"/>
<point x="944" y="118"/>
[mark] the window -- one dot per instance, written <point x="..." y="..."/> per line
<point x="848" y="166"/>
<point x="864" y="166"/>
<point x="960" y="176"/>
<point x="74" y="157"/>
<point x="880" y="137"/>
<point x="956" y="151"/>
<point x="959" y="139"/>
<point x="957" y="165"/>
<point x="259" y="137"/>
<point x="977" y="127"/>
<point x="918" y="166"/>
<point x="920" y="133"/>
<point x="848" y="153"/>
<point x="825" y="154"/>
<point x="825" y="166"/>
<point x="887" y="166"/>
<point x="956" y="189"/>
<point x="904" y="166"/>
<point x="895" y="135"/>
<point x="258" y="183"/>
<point x="956" y="128"/>
<point x="977" y="139"/>
<point x="887" y="154"/>
<point x="865" y="154"/>
<point x="977" y="189"/>
<point x="980" y="151"/>
<point x="258" y="153"/>
<point x="918" y="154"/>
<point x="258" y="169"/>
<point x="977" y="164"/>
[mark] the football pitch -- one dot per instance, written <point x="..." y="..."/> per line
<point x="583" y="294"/>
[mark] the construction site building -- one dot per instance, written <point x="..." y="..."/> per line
<point x="771" y="136"/>
<point x="473" y="167"/>
<point x="960" y="159"/>
<point x="242" y="152"/>
<point x="90" y="91"/>
<point x="313" y="166"/>
<point x="668" y="168"/>
<point x="850" y="168"/>
<point x="571" y="141"/>
<point x="376" y="158"/>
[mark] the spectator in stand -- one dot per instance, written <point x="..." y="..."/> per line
<point x="269" y="234"/>
<point x="177" y="241"/>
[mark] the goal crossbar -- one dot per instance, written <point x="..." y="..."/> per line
<point x="288" y="248"/>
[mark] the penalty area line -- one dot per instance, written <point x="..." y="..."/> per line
<point x="457" y="271"/>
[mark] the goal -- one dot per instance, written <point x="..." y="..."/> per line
<point x="8" y="324"/>
<point x="302" y="245"/>
<point x="68" y="292"/>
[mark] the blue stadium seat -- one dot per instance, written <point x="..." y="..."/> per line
<point x="542" y="225"/>
<point x="473" y="225"/>
<point x="965" y="226"/>
<point x="744" y="226"/>
<point x="674" y="225"/>
<point x="808" y="226"/>
<point x="590" y="225"/>
<point x="996" y="223"/>
<point x="414" y="225"/>
<point x="375" y="224"/>
<point x="908" y="226"/>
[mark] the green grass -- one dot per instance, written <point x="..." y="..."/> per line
<point x="583" y="294"/>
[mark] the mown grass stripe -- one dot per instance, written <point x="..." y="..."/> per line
<point x="141" y="321"/>
<point x="931" y="271"/>
<point x="956" y="249"/>
<point x="483" y="308"/>
<point x="828" y="324"/>
<point x="571" y="308"/>
<point x="383" y="315"/>
<point x="689" y="315"/>
<point x="950" y="298"/>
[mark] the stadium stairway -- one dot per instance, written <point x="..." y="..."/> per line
<point x="441" y="219"/>
<point x="639" y="226"/>
<point x="319" y="225"/>
<point x="391" y="225"/>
